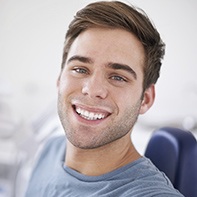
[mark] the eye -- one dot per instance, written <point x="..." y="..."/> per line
<point x="118" y="78"/>
<point x="80" y="70"/>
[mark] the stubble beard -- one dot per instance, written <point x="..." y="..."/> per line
<point x="118" y="128"/>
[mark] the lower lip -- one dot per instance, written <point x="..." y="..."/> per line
<point x="86" y="121"/>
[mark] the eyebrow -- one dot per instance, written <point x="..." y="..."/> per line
<point x="124" y="67"/>
<point x="115" y="66"/>
<point x="81" y="59"/>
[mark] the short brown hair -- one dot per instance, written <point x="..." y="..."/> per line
<point x="115" y="14"/>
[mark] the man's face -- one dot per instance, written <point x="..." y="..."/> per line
<point x="100" y="87"/>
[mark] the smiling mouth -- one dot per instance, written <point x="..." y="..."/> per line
<point x="90" y="115"/>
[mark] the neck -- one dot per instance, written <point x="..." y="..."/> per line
<point x="95" y="162"/>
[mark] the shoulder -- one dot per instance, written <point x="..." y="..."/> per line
<point x="47" y="164"/>
<point x="53" y="151"/>
<point x="147" y="180"/>
<point x="52" y="147"/>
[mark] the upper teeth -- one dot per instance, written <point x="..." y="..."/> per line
<point x="89" y="115"/>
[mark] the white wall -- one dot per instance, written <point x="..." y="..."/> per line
<point x="31" y="41"/>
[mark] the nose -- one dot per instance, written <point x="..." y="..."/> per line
<point x="95" y="87"/>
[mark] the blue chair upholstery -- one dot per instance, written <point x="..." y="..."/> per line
<point x="174" y="151"/>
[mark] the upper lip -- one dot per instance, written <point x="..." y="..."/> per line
<point x="94" y="109"/>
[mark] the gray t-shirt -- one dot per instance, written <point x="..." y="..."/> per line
<point x="51" y="178"/>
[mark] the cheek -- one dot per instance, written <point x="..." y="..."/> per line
<point x="68" y="85"/>
<point x="129" y="99"/>
<point x="129" y="96"/>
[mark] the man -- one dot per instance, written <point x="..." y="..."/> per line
<point x="111" y="62"/>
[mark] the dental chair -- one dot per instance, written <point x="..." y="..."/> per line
<point x="174" y="151"/>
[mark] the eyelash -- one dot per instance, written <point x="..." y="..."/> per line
<point x="80" y="70"/>
<point x="118" y="78"/>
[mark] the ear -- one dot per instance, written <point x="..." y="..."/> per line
<point x="148" y="99"/>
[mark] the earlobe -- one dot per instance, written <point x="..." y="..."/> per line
<point x="148" y="99"/>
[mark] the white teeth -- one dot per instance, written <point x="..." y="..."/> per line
<point x="89" y="115"/>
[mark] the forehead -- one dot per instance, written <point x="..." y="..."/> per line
<point x="109" y="45"/>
